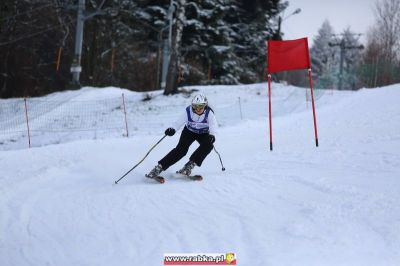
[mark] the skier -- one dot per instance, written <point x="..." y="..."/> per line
<point x="200" y="125"/>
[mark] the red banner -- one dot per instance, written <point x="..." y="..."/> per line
<point x="288" y="55"/>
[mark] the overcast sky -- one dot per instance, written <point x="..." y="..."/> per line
<point x="356" y="14"/>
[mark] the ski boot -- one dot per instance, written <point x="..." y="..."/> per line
<point x="187" y="168"/>
<point x="155" y="173"/>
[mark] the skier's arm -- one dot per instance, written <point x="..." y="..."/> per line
<point x="182" y="119"/>
<point x="212" y="124"/>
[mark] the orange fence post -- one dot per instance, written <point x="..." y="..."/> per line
<point x="59" y="58"/>
<point x="126" y="122"/>
<point x="27" y="122"/>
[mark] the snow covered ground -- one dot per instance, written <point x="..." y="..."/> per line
<point x="337" y="204"/>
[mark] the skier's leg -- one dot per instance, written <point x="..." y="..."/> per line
<point x="187" y="168"/>
<point x="203" y="150"/>
<point x="185" y="140"/>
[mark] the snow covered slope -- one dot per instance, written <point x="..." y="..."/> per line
<point x="337" y="204"/>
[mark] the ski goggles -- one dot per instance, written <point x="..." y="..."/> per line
<point x="199" y="106"/>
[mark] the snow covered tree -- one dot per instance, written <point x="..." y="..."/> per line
<point x="252" y="23"/>
<point x="224" y="63"/>
<point x="351" y="59"/>
<point x="208" y="44"/>
<point x="324" y="58"/>
<point x="334" y="58"/>
<point x="222" y="42"/>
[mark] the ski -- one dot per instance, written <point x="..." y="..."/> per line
<point x="158" y="178"/>
<point x="195" y="177"/>
<point x="191" y="177"/>
<point x="161" y="179"/>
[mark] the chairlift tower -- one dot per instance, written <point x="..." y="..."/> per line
<point x="76" y="61"/>
<point x="167" y="43"/>
<point x="343" y="47"/>
<point x="76" y="67"/>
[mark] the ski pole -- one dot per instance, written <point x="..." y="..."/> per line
<point x="116" y="182"/>
<point x="223" y="168"/>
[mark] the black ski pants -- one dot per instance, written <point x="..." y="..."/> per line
<point x="186" y="139"/>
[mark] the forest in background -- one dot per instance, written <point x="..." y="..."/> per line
<point x="213" y="42"/>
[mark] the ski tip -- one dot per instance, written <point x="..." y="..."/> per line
<point x="159" y="179"/>
<point x="196" y="177"/>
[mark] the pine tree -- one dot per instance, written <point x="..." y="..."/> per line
<point x="324" y="58"/>
<point x="252" y="23"/>
<point x="352" y="58"/>
<point x="222" y="43"/>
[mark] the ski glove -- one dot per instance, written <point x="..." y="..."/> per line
<point x="211" y="138"/>
<point x="170" y="131"/>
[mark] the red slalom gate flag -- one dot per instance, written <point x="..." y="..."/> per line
<point x="288" y="55"/>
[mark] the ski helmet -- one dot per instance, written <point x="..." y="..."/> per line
<point x="199" y="100"/>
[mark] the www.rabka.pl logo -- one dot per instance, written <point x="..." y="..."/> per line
<point x="200" y="258"/>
